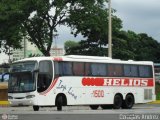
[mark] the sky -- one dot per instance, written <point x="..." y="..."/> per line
<point x="140" y="16"/>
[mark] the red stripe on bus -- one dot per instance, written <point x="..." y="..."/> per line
<point x="50" y="87"/>
<point x="57" y="59"/>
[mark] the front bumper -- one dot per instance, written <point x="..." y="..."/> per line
<point x="21" y="102"/>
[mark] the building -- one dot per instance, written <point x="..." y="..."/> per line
<point x="55" y="51"/>
<point x="29" y="49"/>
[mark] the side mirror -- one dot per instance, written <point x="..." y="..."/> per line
<point x="36" y="70"/>
<point x="5" y="77"/>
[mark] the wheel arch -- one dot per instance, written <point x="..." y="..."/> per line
<point x="120" y="94"/>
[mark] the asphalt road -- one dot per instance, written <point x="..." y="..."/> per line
<point x="138" y="112"/>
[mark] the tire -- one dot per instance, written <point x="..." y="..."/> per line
<point x="59" y="103"/>
<point x="128" y="102"/>
<point x="36" y="108"/>
<point x="94" y="107"/>
<point x="106" y="106"/>
<point x="117" y="102"/>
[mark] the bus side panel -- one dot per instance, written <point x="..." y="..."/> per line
<point x="77" y="94"/>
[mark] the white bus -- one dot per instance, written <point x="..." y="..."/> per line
<point x="81" y="80"/>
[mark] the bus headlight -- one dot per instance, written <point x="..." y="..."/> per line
<point x="30" y="96"/>
<point x="10" y="97"/>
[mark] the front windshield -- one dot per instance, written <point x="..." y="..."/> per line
<point x="22" y="78"/>
<point x="23" y="66"/>
<point x="21" y="82"/>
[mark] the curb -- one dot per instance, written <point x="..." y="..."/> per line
<point x="155" y="102"/>
<point x="4" y="103"/>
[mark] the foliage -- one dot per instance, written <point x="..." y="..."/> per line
<point x="34" y="55"/>
<point x="70" y="47"/>
<point x="126" y="45"/>
<point x="38" y="19"/>
<point x="94" y="28"/>
<point x="158" y="91"/>
<point x="10" y="35"/>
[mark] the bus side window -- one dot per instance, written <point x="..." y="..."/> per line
<point x="45" y="75"/>
<point x="98" y="69"/>
<point x="67" y="68"/>
<point x="115" y="70"/>
<point x="127" y="70"/>
<point x="131" y="71"/>
<point x="58" y="69"/>
<point x="145" y="71"/>
<point x="111" y="71"/>
<point x="118" y="68"/>
<point x="134" y="71"/>
<point x="78" y="69"/>
<point x="87" y="69"/>
<point x="102" y="69"/>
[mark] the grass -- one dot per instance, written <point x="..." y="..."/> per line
<point x="158" y="91"/>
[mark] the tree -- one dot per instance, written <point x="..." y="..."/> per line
<point x="148" y="49"/>
<point x="129" y="45"/>
<point x="94" y="27"/>
<point x="121" y="48"/>
<point x="71" y="47"/>
<point x="126" y="45"/>
<point x="38" y="19"/>
<point x="10" y="30"/>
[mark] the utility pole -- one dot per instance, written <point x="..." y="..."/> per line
<point x="109" y="30"/>
<point x="9" y="54"/>
<point x="24" y="47"/>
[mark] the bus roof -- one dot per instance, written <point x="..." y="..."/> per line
<point x="80" y="58"/>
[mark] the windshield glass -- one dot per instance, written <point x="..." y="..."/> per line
<point x="21" y="82"/>
<point x="23" y="66"/>
<point x="22" y="78"/>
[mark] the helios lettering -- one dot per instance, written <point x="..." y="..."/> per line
<point x="117" y="82"/>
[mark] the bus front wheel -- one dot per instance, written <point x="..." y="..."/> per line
<point x="36" y="108"/>
<point x="59" y="103"/>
